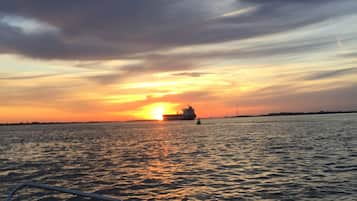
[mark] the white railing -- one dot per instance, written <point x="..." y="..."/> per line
<point x="58" y="189"/>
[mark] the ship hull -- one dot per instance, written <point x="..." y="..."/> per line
<point x="174" y="117"/>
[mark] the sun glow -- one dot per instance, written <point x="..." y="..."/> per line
<point x="157" y="112"/>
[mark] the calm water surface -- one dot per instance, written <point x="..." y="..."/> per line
<point x="266" y="158"/>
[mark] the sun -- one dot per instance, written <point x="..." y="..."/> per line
<point x="157" y="112"/>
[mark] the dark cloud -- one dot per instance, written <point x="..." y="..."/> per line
<point x="108" y="78"/>
<point x="289" y="1"/>
<point x="331" y="73"/>
<point x="112" y="29"/>
<point x="151" y="64"/>
<point x="292" y="98"/>
<point x="350" y="55"/>
<point x="282" y="89"/>
<point x="281" y="49"/>
<point x="27" y="77"/>
<point x="191" y="74"/>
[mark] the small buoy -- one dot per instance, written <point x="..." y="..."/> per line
<point x="198" y="122"/>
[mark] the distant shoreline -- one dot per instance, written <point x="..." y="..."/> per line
<point x="293" y="114"/>
<point x="238" y="116"/>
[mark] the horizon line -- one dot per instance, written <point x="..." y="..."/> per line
<point x="143" y="120"/>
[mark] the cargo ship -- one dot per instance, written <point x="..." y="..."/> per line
<point x="187" y="114"/>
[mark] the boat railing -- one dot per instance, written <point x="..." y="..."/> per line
<point x="58" y="189"/>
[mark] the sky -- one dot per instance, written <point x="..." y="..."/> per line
<point x="112" y="60"/>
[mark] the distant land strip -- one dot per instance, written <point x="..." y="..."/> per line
<point x="293" y="114"/>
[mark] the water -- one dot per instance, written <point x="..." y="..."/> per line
<point x="266" y="158"/>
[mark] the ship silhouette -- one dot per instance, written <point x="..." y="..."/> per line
<point x="187" y="114"/>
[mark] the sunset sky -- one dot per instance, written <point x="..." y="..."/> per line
<point x="110" y="60"/>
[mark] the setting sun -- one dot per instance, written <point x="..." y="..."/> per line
<point x="157" y="112"/>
